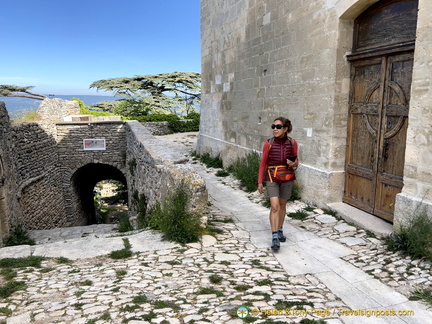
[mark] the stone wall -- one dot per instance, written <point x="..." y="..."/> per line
<point x="8" y="200"/>
<point x="265" y="59"/>
<point x="47" y="177"/>
<point x="156" y="172"/>
<point x="32" y="177"/>
<point x="73" y="158"/>
<point x="52" y="111"/>
<point x="416" y="194"/>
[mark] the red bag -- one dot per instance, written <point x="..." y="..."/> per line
<point x="281" y="173"/>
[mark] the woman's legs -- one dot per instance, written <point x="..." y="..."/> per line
<point x="282" y="211"/>
<point x="275" y="213"/>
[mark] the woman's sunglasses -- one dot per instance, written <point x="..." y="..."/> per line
<point x="273" y="126"/>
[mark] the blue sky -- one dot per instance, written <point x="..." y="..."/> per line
<point x="62" y="46"/>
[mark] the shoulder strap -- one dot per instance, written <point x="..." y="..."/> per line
<point x="271" y="142"/>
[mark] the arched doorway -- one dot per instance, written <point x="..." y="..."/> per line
<point x="84" y="181"/>
<point x="381" y="72"/>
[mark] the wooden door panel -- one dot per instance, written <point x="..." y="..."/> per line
<point x="378" y="121"/>
<point x="393" y="133"/>
<point x="357" y="190"/>
<point x="363" y="125"/>
<point x="385" y="197"/>
<point x="362" y="152"/>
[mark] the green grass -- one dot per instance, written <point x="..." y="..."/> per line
<point x="140" y="299"/>
<point x="62" y="260"/>
<point x="5" y="311"/>
<point x="10" y="287"/>
<point x="123" y="253"/>
<point x="414" y="239"/>
<point x="8" y="274"/>
<point x="210" y="162"/>
<point x="215" y="279"/>
<point x="423" y="294"/>
<point x="299" y="215"/>
<point x="30" y="261"/>
<point x="159" y="304"/>
<point x="242" y="287"/>
<point x="209" y="291"/>
<point x="292" y="304"/>
<point x="222" y="173"/>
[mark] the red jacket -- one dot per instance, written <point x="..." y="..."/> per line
<point x="281" y="149"/>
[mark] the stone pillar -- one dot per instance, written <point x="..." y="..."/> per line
<point x="416" y="195"/>
<point x="53" y="111"/>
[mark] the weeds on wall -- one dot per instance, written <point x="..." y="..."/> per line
<point x="143" y="218"/>
<point x="174" y="221"/>
<point x="124" y="223"/>
<point x="414" y="239"/>
<point x="210" y="162"/>
<point x="19" y="236"/>
<point x="245" y="169"/>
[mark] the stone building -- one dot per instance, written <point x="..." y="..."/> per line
<point x="353" y="76"/>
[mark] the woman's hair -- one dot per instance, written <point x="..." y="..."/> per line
<point x="286" y="123"/>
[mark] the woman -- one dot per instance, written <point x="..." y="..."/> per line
<point x="278" y="151"/>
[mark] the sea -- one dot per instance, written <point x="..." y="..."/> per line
<point x="18" y="107"/>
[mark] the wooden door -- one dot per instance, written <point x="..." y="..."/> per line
<point x="378" y="120"/>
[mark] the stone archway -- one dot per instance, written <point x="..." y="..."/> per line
<point x="83" y="182"/>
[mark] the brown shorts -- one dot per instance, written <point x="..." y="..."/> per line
<point x="282" y="190"/>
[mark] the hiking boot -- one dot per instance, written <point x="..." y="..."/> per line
<point x="281" y="236"/>
<point x="275" y="244"/>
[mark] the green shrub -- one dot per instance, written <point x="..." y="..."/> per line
<point x="299" y="215"/>
<point x="193" y="115"/>
<point x="132" y="108"/>
<point x="174" y="221"/>
<point x="154" y="118"/>
<point x="81" y="104"/>
<point x="246" y="170"/>
<point x="182" y="126"/>
<point x="124" y="223"/>
<point x="222" y="173"/>
<point x="19" y="236"/>
<point x="414" y="239"/>
<point x="84" y="110"/>
<point x="96" y="113"/>
<point x="422" y="294"/>
<point x="210" y="162"/>
<point x="295" y="194"/>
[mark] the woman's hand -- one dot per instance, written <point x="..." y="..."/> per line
<point x="260" y="188"/>
<point x="292" y="164"/>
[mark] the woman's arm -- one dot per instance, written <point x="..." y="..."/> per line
<point x="263" y="164"/>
